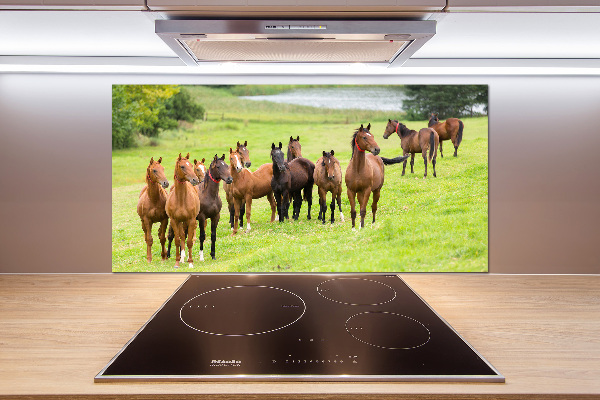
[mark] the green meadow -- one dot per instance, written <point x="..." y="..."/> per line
<point x="423" y="224"/>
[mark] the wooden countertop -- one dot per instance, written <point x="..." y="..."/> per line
<point x="542" y="332"/>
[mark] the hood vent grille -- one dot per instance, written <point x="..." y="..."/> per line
<point x="386" y="42"/>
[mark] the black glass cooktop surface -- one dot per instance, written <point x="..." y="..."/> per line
<point x="297" y="327"/>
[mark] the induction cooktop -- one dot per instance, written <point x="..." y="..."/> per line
<point x="297" y="327"/>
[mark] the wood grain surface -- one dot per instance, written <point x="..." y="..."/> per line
<point x="542" y="332"/>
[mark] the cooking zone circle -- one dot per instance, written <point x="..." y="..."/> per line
<point x="242" y="310"/>
<point x="388" y="330"/>
<point x="356" y="291"/>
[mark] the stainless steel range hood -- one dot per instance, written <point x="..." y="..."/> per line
<point x="384" y="42"/>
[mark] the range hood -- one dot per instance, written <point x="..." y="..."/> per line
<point x="384" y="42"/>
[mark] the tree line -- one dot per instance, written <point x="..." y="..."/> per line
<point x="148" y="109"/>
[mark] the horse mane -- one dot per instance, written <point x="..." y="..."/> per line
<point x="289" y="153"/>
<point x="353" y="143"/>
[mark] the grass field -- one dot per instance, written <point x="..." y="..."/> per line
<point x="432" y="224"/>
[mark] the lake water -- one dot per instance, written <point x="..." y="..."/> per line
<point x="351" y="97"/>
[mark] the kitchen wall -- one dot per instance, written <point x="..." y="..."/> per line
<point x="55" y="168"/>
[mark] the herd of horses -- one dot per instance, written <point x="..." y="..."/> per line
<point x="194" y="197"/>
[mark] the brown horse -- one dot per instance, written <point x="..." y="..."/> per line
<point x="328" y="178"/>
<point x="244" y="158"/>
<point x="294" y="149"/>
<point x="210" y="202"/>
<point x="200" y="171"/>
<point x="365" y="173"/>
<point x="247" y="186"/>
<point x="182" y="207"/>
<point x="415" y="142"/>
<point x="151" y="205"/>
<point x="450" y="129"/>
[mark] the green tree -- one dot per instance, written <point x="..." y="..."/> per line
<point x="446" y="100"/>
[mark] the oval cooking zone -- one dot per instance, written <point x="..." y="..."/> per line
<point x="356" y="291"/>
<point x="231" y="311"/>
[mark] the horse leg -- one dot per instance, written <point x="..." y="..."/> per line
<point x="214" y="222"/>
<point x="433" y="163"/>
<point x="231" y="207"/>
<point x="285" y="198"/>
<point x="425" y="160"/>
<point x="363" y="199"/>
<point x="190" y="240"/>
<point x="201" y="222"/>
<point x="441" y="154"/>
<point x="404" y="164"/>
<point x="273" y="208"/>
<point x="249" y="210"/>
<point x="278" y="201"/>
<point x="352" y="200"/>
<point x="332" y="207"/>
<point x="236" y="204"/>
<point x="308" y="197"/>
<point x="161" y="234"/>
<point x="363" y="206"/>
<point x="339" y="202"/>
<point x="454" y="142"/>
<point x="297" y="204"/>
<point x="412" y="163"/>
<point x="147" y="228"/>
<point x="177" y="232"/>
<point x="322" y="204"/>
<point x="242" y="212"/>
<point x="170" y="237"/>
<point x="375" y="200"/>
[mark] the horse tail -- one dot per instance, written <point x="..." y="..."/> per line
<point x="431" y="144"/>
<point x="460" y="132"/>
<point x="395" y="160"/>
<point x="311" y="180"/>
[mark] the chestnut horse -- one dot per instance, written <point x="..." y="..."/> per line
<point x="210" y="202"/>
<point x="200" y="171"/>
<point x="182" y="207"/>
<point x="415" y="142"/>
<point x="247" y="186"/>
<point x="328" y="178"/>
<point x="151" y="205"/>
<point x="281" y="182"/>
<point x="294" y="149"/>
<point x="450" y="129"/>
<point x="244" y="154"/>
<point x="365" y="173"/>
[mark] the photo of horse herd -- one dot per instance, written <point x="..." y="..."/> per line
<point x="186" y="203"/>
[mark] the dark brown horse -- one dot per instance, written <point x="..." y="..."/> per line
<point x="151" y="205"/>
<point x="182" y="207"/>
<point x="294" y="149"/>
<point x="450" y="129"/>
<point x="328" y="178"/>
<point x="210" y="202"/>
<point x="281" y="182"/>
<point x="365" y="173"/>
<point x="425" y="141"/>
<point x="244" y="158"/>
<point x="247" y="186"/>
<point x="302" y="182"/>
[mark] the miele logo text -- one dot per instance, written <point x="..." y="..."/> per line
<point x="225" y="363"/>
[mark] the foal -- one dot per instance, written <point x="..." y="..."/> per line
<point x="450" y="129"/>
<point x="210" y="202"/>
<point x="413" y="142"/>
<point x="328" y="178"/>
<point x="182" y="207"/>
<point x="294" y="149"/>
<point x="151" y="205"/>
